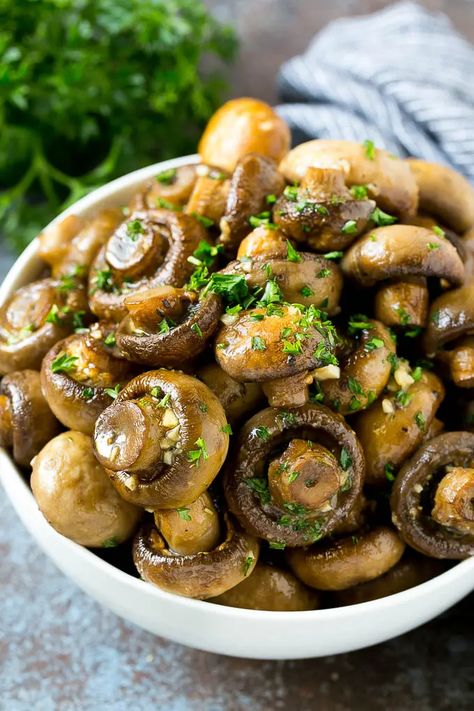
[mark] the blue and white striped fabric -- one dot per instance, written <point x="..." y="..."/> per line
<point x="402" y="77"/>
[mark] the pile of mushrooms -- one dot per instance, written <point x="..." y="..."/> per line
<point x="259" y="373"/>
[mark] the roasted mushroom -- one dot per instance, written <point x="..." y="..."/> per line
<point x="237" y="399"/>
<point x="433" y="494"/>
<point x="364" y="368"/>
<point x="209" y="197"/>
<point x="70" y="246"/>
<point x="163" y="440"/>
<point x="460" y="362"/>
<point x="387" y="179"/>
<point x="278" y="347"/>
<point x="322" y="212"/>
<point x="444" y="193"/>
<point x="35" y="317"/>
<point x="171" y="188"/>
<point x="345" y="562"/>
<point x="253" y="180"/>
<point x="167" y="326"/>
<point x="243" y="126"/>
<point x="74" y="494"/>
<point x="403" y="303"/>
<point x="26" y="422"/>
<point x="80" y="377"/>
<point x="263" y="241"/>
<point x="451" y="316"/>
<point x="395" y="425"/>
<point x="190" y="529"/>
<point x="201" y="575"/>
<point x="269" y="588"/>
<point x="148" y="249"/>
<point x="295" y="474"/>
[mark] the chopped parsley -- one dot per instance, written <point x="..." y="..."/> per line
<point x="420" y="420"/>
<point x="168" y="205"/>
<point x="432" y="246"/>
<point x="88" y="393"/>
<point x="381" y="218"/>
<point x="345" y="459"/>
<point x="205" y="253"/>
<point x="110" y="340"/>
<point x="333" y="255"/>
<point x="417" y="373"/>
<point x="166" y="177"/>
<point x="359" y="192"/>
<point x="227" y="429"/>
<point x="306" y="291"/>
<point x="195" y="328"/>
<point x="271" y="199"/>
<point x="438" y="231"/>
<point x="260" y="487"/>
<point x="276" y="545"/>
<point x="293" y="476"/>
<point x="323" y="273"/>
<point x="113" y="392"/>
<point x="263" y="433"/>
<point x="291" y="192"/>
<point x="403" y="397"/>
<point x="349" y="227"/>
<point x="369" y="149"/>
<point x="359" y="322"/>
<point x="292" y="348"/>
<point x="374" y="343"/>
<point x="195" y="455"/>
<point x="403" y="315"/>
<point x="164" y="325"/>
<point x="203" y="407"/>
<point x="134" y="228"/>
<point x="110" y="543"/>
<point x="248" y="562"/>
<point x="389" y="470"/>
<point x="354" y="386"/>
<point x="183" y="513"/>
<point x="413" y="332"/>
<point x="104" y="280"/>
<point x="67" y="282"/>
<point x="258" y="344"/>
<point x="64" y="363"/>
<point x="205" y="221"/>
<point x="262" y="220"/>
<point x="292" y="254"/>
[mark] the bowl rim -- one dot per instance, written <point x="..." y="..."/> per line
<point x="19" y="492"/>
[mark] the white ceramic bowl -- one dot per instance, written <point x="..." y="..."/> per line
<point x="214" y="628"/>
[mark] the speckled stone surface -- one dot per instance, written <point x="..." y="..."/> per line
<point x="59" y="650"/>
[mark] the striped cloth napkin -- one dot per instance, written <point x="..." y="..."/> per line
<point x="402" y="77"/>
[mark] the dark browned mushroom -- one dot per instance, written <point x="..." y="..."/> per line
<point x="237" y="399"/>
<point x="163" y="440"/>
<point x="278" y="347"/>
<point x="75" y="496"/>
<point x="200" y="575"/>
<point x="387" y="179"/>
<point x="295" y="474"/>
<point x="149" y="249"/>
<point x="26" y="422"/>
<point x="254" y="178"/>
<point x="451" y="316"/>
<point x="243" y="126"/>
<point x="403" y="303"/>
<point x="345" y="562"/>
<point x="172" y="187"/>
<point x="35" y="317"/>
<point x="167" y="326"/>
<point x="191" y="529"/>
<point x="364" y="369"/>
<point x="395" y="425"/>
<point x="444" y="193"/>
<point x="80" y="377"/>
<point x="435" y="514"/>
<point x="322" y="212"/>
<point x="270" y="588"/>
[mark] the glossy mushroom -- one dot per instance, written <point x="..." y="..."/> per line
<point x="163" y="440"/>
<point x="388" y="179"/>
<point x="451" y="316"/>
<point x="149" y="249"/>
<point x="459" y="360"/>
<point x="75" y="496"/>
<point x="172" y="187"/>
<point x="190" y="529"/>
<point x="295" y="474"/>
<point x="395" y="425"/>
<point x="167" y="326"/>
<point x="322" y="212"/>
<point x="238" y="399"/>
<point x="26" y="421"/>
<point x="80" y="377"/>
<point x="349" y="561"/>
<point x="270" y="588"/>
<point x="35" y="317"/>
<point x="263" y="241"/>
<point x="209" y="197"/>
<point x="403" y="303"/>
<point x="200" y="575"/>
<point x="243" y="126"/>
<point x="278" y="347"/>
<point x="363" y="371"/>
<point x="254" y="178"/>
<point x="445" y="193"/>
<point x="432" y="497"/>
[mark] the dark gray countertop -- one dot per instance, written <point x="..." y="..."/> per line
<point x="60" y="650"/>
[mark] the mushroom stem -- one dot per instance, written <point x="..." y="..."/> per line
<point x="454" y="500"/>
<point x="288" y="392"/>
<point x="190" y="529"/>
<point x="6" y="425"/>
<point x="461" y="363"/>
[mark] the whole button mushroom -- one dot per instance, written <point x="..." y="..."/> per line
<point x="387" y="179"/>
<point x="81" y="376"/>
<point x="149" y="249"/>
<point x="35" y="317"/>
<point x="74" y="494"/>
<point x="171" y="188"/>
<point x="432" y="497"/>
<point x="243" y="126"/>
<point x="163" y="440"/>
<point x="237" y="399"/>
<point x="300" y="495"/>
<point x="264" y="241"/>
<point x="26" y="421"/>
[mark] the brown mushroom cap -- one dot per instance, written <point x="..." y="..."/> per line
<point x="451" y="316"/>
<point x="75" y="495"/>
<point x="410" y="512"/>
<point x="364" y="371"/>
<point x="261" y="439"/>
<point x="389" y="433"/>
<point x="162" y="412"/>
<point x="174" y="186"/>
<point x="263" y="241"/>
<point x="402" y="303"/>
<point x="27" y="327"/>
<point x="270" y="588"/>
<point x="201" y="575"/>
<point x="444" y="193"/>
<point x="190" y="529"/>
<point x="253" y="179"/>
<point x="343" y="563"/>
<point x="243" y="126"/>
<point x="193" y="322"/>
<point x="389" y="180"/>
<point x="209" y="196"/>
<point x="29" y="423"/>
<point x="55" y="240"/>
<point x="402" y="250"/>
<point x="149" y="249"/>
<point x="237" y="399"/>
<point x="79" y="394"/>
